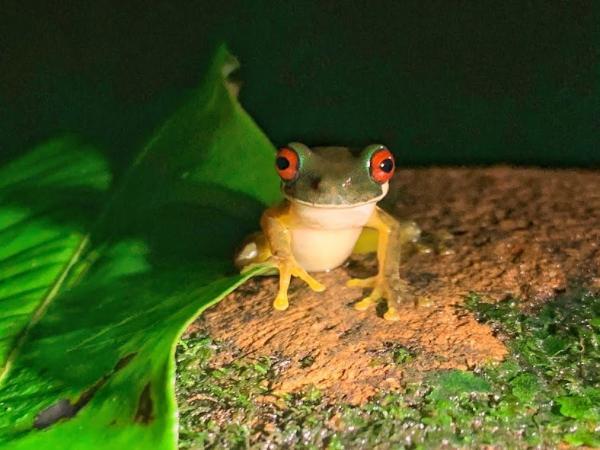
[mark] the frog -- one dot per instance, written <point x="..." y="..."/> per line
<point x="331" y="196"/>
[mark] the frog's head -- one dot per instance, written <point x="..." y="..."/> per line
<point x="334" y="176"/>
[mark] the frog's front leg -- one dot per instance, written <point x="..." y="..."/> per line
<point x="387" y="284"/>
<point x="275" y="225"/>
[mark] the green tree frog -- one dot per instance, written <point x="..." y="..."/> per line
<point x="331" y="194"/>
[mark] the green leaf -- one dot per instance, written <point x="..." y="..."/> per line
<point x="38" y="194"/>
<point x="98" y="283"/>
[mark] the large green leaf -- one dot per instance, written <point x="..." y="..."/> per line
<point x="97" y="283"/>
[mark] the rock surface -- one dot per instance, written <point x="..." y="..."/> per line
<point x="525" y="233"/>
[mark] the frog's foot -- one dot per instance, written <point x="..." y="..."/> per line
<point x="370" y="282"/>
<point x="381" y="289"/>
<point x="288" y="268"/>
<point x="438" y="242"/>
<point x="253" y="251"/>
<point x="409" y="231"/>
<point x="391" y="314"/>
<point x="281" y="301"/>
<point x="299" y="272"/>
<point x="362" y="282"/>
<point x="368" y="300"/>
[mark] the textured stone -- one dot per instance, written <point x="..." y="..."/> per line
<point x="525" y="233"/>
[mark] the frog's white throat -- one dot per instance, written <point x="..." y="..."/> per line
<point x="323" y="236"/>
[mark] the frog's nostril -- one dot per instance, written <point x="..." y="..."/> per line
<point x="315" y="183"/>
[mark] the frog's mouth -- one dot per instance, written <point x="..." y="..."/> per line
<point x="384" y="190"/>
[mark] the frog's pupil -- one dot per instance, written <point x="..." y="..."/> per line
<point x="282" y="163"/>
<point x="386" y="165"/>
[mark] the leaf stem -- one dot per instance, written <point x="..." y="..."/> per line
<point x="42" y="307"/>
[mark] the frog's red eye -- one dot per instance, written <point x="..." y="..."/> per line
<point x="382" y="165"/>
<point x="286" y="164"/>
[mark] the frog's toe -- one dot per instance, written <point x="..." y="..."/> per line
<point x="424" y="248"/>
<point x="281" y="303"/>
<point x="391" y="314"/>
<point x="368" y="300"/>
<point x="411" y="231"/>
<point x="314" y="284"/>
<point x="362" y="282"/>
<point x="304" y="276"/>
<point x="363" y="304"/>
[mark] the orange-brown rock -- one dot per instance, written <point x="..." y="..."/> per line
<point x="527" y="233"/>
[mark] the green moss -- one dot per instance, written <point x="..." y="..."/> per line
<point x="546" y="392"/>
<point x="402" y="355"/>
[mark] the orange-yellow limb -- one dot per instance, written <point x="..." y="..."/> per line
<point x="275" y="249"/>
<point x="387" y="284"/>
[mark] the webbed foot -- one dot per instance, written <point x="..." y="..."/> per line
<point x="381" y="288"/>
<point x="288" y="268"/>
<point x="438" y="242"/>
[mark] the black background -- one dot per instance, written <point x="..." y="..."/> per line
<point x="439" y="82"/>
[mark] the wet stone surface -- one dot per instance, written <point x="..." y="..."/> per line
<point x="499" y="232"/>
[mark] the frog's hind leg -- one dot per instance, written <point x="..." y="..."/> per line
<point x="392" y="237"/>
<point x="367" y="242"/>
<point x="254" y="250"/>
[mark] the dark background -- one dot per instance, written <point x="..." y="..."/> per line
<point x="439" y="82"/>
